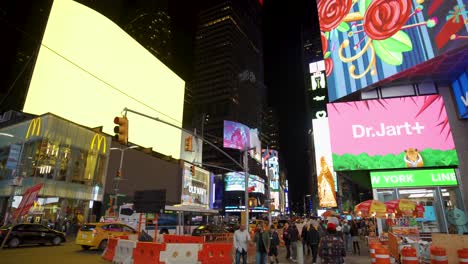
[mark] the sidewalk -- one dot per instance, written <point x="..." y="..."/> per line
<point x="349" y="259"/>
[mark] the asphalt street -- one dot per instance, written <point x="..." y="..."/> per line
<point x="69" y="253"/>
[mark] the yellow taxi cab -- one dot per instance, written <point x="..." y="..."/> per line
<point x="96" y="234"/>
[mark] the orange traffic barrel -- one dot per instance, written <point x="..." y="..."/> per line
<point x="438" y="255"/>
<point x="463" y="256"/>
<point x="372" y="247"/>
<point x="409" y="256"/>
<point x="382" y="256"/>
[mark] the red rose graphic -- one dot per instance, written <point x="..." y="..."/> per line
<point x="328" y="66"/>
<point x="324" y="43"/>
<point x="332" y="12"/>
<point x="384" y="18"/>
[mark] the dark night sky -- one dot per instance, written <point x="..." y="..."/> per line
<point x="284" y="77"/>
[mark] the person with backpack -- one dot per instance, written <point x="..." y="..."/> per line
<point x="331" y="249"/>
<point x="347" y="235"/>
<point x="274" y="243"/>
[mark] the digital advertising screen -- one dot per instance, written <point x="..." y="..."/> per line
<point x="235" y="181"/>
<point x="255" y="143"/>
<point x="366" y="41"/>
<point x="196" y="188"/>
<point x="460" y="93"/>
<point x="88" y="70"/>
<point x="236" y="135"/>
<point x="405" y="132"/>
<point x="318" y="92"/>
<point x="270" y="163"/>
<point x="326" y="176"/>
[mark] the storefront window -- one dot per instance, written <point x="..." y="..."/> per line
<point x="431" y="222"/>
<point x="457" y="219"/>
<point x="386" y="195"/>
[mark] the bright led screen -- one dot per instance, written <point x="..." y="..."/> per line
<point x="236" y="135"/>
<point x="88" y="70"/>
<point x="366" y="41"/>
<point x="235" y="181"/>
<point x="391" y="133"/>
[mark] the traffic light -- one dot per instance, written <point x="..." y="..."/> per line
<point x="189" y="143"/>
<point x="121" y="129"/>
<point x="192" y="169"/>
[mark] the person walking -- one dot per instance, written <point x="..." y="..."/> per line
<point x="354" y="232"/>
<point x="262" y="244"/>
<point x="287" y="240"/>
<point x="241" y="239"/>
<point x="274" y="243"/>
<point x="331" y="249"/>
<point x="304" y="232"/>
<point x="347" y="235"/>
<point x="313" y="239"/>
<point x="294" y="235"/>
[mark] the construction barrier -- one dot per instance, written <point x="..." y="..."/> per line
<point x="382" y="256"/>
<point x="463" y="255"/>
<point x="184" y="239"/>
<point x="124" y="252"/>
<point x="409" y="255"/>
<point x="438" y="255"/>
<point x="372" y="247"/>
<point x="109" y="252"/>
<point x="147" y="253"/>
<point x="216" y="254"/>
<point x="180" y="254"/>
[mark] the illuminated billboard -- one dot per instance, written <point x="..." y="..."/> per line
<point x="318" y="92"/>
<point x="235" y="181"/>
<point x="326" y="176"/>
<point x="256" y="152"/>
<point x="236" y="135"/>
<point x="366" y="41"/>
<point x="196" y="188"/>
<point x="391" y="133"/>
<point x="270" y="163"/>
<point x="88" y="70"/>
<point x="460" y="92"/>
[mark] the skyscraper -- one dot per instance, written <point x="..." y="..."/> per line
<point x="227" y="82"/>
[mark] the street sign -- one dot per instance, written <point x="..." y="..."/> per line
<point x="149" y="201"/>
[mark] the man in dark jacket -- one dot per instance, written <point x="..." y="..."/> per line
<point x="294" y="235"/>
<point x="262" y="243"/>
<point x="287" y="240"/>
<point x="274" y="243"/>
<point x="313" y="239"/>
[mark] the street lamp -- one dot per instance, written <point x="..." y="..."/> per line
<point x="16" y="181"/>
<point x="119" y="173"/>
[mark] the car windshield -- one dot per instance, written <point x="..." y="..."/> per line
<point x="88" y="227"/>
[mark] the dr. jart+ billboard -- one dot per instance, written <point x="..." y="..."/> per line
<point x="391" y="133"/>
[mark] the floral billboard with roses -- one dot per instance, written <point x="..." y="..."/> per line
<point x="365" y="41"/>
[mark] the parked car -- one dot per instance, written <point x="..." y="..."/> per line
<point x="22" y="234"/>
<point x="209" y="229"/>
<point x="96" y="234"/>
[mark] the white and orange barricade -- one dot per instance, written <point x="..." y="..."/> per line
<point x="180" y="253"/>
<point x="439" y="255"/>
<point x="382" y="256"/>
<point x="409" y="255"/>
<point x="463" y="256"/>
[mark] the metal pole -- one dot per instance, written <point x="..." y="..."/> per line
<point x="246" y="177"/>
<point x="117" y="183"/>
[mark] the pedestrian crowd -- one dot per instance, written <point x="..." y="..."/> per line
<point x="330" y="239"/>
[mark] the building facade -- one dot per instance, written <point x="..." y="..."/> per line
<point x="69" y="159"/>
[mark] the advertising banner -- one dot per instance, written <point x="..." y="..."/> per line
<point x="326" y="176"/>
<point x="29" y="197"/>
<point x="460" y="92"/>
<point x="196" y="188"/>
<point x="413" y="178"/>
<point x="391" y="133"/>
<point x="255" y="143"/>
<point x="318" y="92"/>
<point x="13" y="157"/>
<point x="271" y="165"/>
<point x="235" y="181"/>
<point x="366" y="41"/>
<point x="236" y="135"/>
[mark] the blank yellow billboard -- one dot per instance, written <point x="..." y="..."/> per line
<point x="88" y="69"/>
